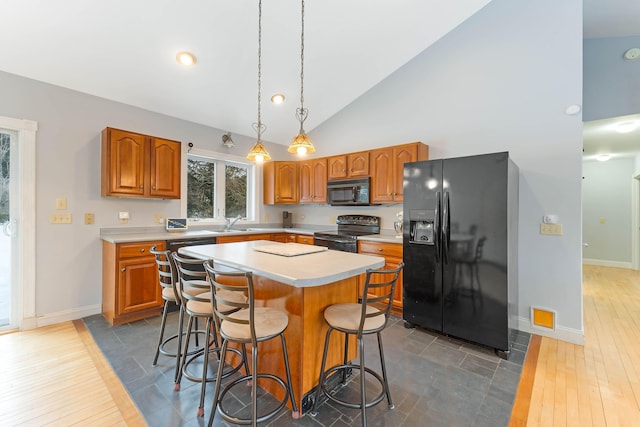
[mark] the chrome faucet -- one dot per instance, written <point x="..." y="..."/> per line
<point x="231" y="222"/>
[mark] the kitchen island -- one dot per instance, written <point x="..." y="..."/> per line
<point x="302" y="286"/>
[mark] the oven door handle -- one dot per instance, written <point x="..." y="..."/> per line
<point x="332" y="240"/>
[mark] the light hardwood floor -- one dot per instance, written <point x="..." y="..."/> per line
<point x="597" y="384"/>
<point x="57" y="375"/>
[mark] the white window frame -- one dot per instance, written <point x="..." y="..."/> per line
<point x="252" y="185"/>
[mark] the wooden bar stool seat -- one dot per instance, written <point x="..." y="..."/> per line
<point x="368" y="316"/>
<point x="249" y="325"/>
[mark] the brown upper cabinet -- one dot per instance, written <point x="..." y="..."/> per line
<point x="136" y="165"/>
<point x="387" y="165"/>
<point x="348" y="165"/>
<point x="280" y="184"/>
<point x="313" y="180"/>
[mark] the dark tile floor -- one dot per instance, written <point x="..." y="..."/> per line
<point x="434" y="380"/>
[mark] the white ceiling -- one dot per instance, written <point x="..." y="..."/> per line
<point x="611" y="18"/>
<point x="125" y="50"/>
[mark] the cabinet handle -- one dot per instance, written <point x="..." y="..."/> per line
<point x="153" y="188"/>
<point x="142" y="250"/>
<point x="142" y="187"/>
<point x="123" y="270"/>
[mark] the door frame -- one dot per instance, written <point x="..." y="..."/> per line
<point x="635" y="221"/>
<point x="26" y="224"/>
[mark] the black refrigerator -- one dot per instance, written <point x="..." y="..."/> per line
<point x="460" y="227"/>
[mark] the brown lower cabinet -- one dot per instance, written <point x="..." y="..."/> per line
<point x="130" y="288"/>
<point x="392" y="253"/>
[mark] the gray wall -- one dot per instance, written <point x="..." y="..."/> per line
<point x="68" y="268"/>
<point x="611" y="84"/>
<point x="606" y="194"/>
<point x="500" y="82"/>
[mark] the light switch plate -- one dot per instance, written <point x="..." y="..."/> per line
<point x="551" y="229"/>
<point x="61" y="203"/>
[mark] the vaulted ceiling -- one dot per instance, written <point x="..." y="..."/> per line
<point x="125" y="51"/>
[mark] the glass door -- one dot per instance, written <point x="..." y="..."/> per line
<point x="8" y="291"/>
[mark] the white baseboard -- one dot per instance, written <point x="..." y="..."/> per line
<point x="606" y="263"/>
<point x="561" y="333"/>
<point x="59" y="317"/>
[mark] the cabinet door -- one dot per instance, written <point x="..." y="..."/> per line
<point x="165" y="168"/>
<point x="337" y="167"/>
<point x="138" y="285"/>
<point x="382" y="175"/>
<point x="319" y="174"/>
<point x="402" y="154"/>
<point x="125" y="171"/>
<point x="286" y="183"/>
<point x="358" y="164"/>
<point x="305" y="176"/>
<point x="392" y="253"/>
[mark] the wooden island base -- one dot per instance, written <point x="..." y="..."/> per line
<point x="305" y="334"/>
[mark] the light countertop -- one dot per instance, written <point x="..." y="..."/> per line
<point x="307" y="270"/>
<point x="139" y="234"/>
<point x="384" y="237"/>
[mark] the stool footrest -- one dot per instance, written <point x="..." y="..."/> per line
<point x="330" y="395"/>
<point x="200" y="353"/>
<point x="247" y="378"/>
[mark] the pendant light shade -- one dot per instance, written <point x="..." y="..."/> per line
<point x="259" y="152"/>
<point x="301" y="144"/>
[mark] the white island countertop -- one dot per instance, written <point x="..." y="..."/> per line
<point x="314" y="269"/>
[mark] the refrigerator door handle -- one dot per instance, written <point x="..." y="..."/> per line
<point x="446" y="236"/>
<point x="436" y="227"/>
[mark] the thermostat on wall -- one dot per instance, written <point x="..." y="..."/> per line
<point x="176" y="224"/>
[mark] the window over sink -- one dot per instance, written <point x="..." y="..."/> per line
<point x="219" y="188"/>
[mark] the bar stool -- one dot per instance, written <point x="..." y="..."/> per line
<point x="368" y="316"/>
<point x="248" y="325"/>
<point x="191" y="274"/>
<point x="167" y="278"/>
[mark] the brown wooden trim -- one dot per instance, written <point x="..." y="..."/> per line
<point x="520" y="411"/>
<point x="123" y="401"/>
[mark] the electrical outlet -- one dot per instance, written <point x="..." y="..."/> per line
<point x="551" y="229"/>
<point x="89" y="218"/>
<point x="266" y="217"/>
<point x="332" y="219"/>
<point x="158" y="218"/>
<point x="60" y="218"/>
<point x="61" y="204"/>
<point x="301" y="217"/>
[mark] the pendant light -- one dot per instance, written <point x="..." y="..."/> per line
<point x="259" y="152"/>
<point x="301" y="144"/>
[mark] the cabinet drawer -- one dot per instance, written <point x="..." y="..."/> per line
<point x="304" y="238"/>
<point x="130" y="250"/>
<point x="385" y="249"/>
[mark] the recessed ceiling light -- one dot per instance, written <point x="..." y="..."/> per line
<point x="186" y="58"/>
<point x="278" y="98"/>
<point x="626" y="127"/>
<point x="573" y="109"/>
<point x="603" y="157"/>
<point x="632" y="54"/>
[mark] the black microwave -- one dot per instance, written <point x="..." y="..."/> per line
<point x="349" y="192"/>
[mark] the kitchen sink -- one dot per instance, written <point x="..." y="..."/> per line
<point x="233" y="230"/>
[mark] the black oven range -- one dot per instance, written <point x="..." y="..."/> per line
<point x="345" y="238"/>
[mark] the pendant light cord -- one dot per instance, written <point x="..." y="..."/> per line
<point x="259" y="126"/>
